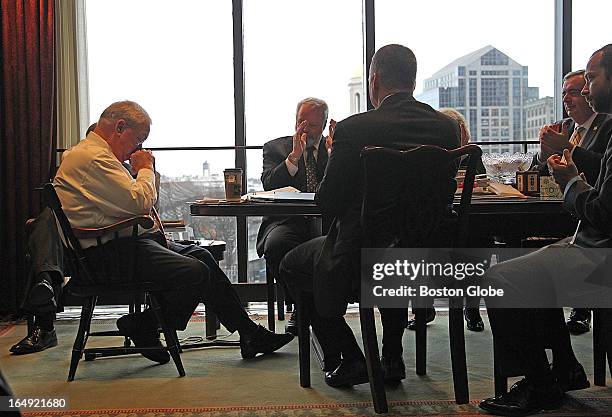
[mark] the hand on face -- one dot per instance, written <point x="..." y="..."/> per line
<point x="299" y="141"/>
<point x="142" y="159"/>
<point x="552" y="142"/>
<point x="563" y="168"/>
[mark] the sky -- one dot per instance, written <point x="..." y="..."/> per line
<point x="175" y="59"/>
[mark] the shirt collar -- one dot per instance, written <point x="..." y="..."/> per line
<point x="587" y="125"/>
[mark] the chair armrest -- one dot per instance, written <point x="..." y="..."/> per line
<point x="145" y="222"/>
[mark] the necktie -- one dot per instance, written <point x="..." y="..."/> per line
<point x="311" y="171"/>
<point x="577" y="136"/>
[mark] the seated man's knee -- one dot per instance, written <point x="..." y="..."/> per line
<point x="194" y="272"/>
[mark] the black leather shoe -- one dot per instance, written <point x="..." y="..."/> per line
<point x="573" y="379"/>
<point x="394" y="369"/>
<point x="579" y="321"/>
<point x="524" y="398"/>
<point x="143" y="336"/>
<point x="347" y="374"/>
<point x="331" y="362"/>
<point x="291" y="326"/>
<point x="262" y="341"/>
<point x="430" y="316"/>
<point x="473" y="319"/>
<point x="37" y="340"/>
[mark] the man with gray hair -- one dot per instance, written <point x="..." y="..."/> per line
<point x="298" y="161"/>
<point x="96" y="190"/>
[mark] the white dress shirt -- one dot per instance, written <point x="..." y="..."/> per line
<point x="96" y="190"/>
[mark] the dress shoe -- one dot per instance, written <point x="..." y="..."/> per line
<point x="579" y="321"/>
<point x="573" y="379"/>
<point x="262" y="341"/>
<point x="430" y="315"/>
<point x="394" y="369"/>
<point x="473" y="319"/>
<point x="37" y="340"/>
<point x="292" y="325"/>
<point x="347" y="374"/>
<point x="331" y="362"/>
<point x="143" y="335"/>
<point x="524" y="398"/>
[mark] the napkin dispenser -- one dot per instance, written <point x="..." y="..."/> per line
<point x="528" y="182"/>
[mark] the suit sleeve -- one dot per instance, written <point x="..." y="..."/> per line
<point x="588" y="162"/>
<point x="342" y="179"/>
<point x="590" y="205"/>
<point x="275" y="173"/>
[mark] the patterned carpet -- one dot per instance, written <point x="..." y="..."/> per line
<point x="572" y="407"/>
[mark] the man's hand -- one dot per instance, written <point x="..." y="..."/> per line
<point x="142" y="159"/>
<point x="552" y="142"/>
<point x="329" y="140"/>
<point x="563" y="168"/>
<point x="299" y="144"/>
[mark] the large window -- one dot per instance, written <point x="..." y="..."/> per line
<point x="485" y="44"/>
<point x="177" y="60"/>
<point x="158" y="54"/>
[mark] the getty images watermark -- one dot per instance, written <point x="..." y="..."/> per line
<point x="395" y="278"/>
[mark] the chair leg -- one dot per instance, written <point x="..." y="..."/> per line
<point x="211" y="323"/>
<point x="370" y="345"/>
<point x="421" y="341"/>
<point x="169" y="334"/>
<point x="280" y="301"/>
<point x="81" y="337"/>
<point x="270" y="298"/>
<point x="599" y="349"/>
<point x="303" y="344"/>
<point x="457" y="348"/>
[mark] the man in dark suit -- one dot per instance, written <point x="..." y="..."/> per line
<point x="298" y="161"/>
<point x="585" y="134"/>
<point x="325" y="270"/>
<point x="556" y="270"/>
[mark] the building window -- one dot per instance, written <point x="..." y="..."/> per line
<point x="484" y="112"/>
<point x="494" y="91"/>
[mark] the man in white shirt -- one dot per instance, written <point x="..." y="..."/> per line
<point x="96" y="190"/>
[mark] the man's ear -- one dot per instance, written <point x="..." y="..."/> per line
<point x="120" y="126"/>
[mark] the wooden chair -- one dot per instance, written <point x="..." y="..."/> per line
<point x="393" y="181"/>
<point x="89" y="285"/>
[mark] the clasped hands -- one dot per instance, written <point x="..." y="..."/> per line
<point x="142" y="158"/>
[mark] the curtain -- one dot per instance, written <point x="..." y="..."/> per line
<point x="27" y="130"/>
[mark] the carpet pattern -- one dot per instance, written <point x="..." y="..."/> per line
<point x="572" y="407"/>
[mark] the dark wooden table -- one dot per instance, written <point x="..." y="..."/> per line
<point x="513" y="219"/>
<point x="508" y="220"/>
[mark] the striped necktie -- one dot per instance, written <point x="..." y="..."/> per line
<point x="577" y="136"/>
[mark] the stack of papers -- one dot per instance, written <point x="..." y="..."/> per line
<point x="285" y="194"/>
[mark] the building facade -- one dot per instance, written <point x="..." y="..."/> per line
<point x="490" y="89"/>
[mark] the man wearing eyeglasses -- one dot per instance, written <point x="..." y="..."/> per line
<point x="585" y="134"/>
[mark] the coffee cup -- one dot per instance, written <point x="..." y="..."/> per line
<point x="233" y="184"/>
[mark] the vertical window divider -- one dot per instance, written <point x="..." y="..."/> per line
<point x="240" y="133"/>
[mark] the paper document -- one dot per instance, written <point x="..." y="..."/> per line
<point x="282" y="196"/>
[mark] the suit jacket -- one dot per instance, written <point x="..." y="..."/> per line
<point x="399" y="120"/>
<point x="276" y="175"/>
<point x="588" y="155"/>
<point x="593" y="205"/>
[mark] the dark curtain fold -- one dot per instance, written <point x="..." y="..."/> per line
<point x="27" y="130"/>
